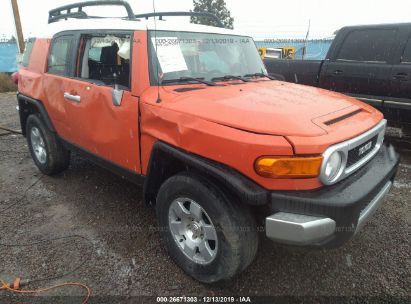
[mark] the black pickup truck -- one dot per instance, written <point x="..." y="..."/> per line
<point x="371" y="63"/>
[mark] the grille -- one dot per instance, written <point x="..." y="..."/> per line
<point x="358" y="153"/>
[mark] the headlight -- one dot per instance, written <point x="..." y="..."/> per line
<point x="333" y="166"/>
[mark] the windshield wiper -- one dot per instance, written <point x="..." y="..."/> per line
<point x="187" y="79"/>
<point x="261" y="75"/>
<point x="230" y="77"/>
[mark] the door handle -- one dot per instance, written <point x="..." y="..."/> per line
<point x="401" y="76"/>
<point x="75" y="98"/>
<point x="338" y="72"/>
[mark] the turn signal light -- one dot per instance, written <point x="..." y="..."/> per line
<point x="291" y="167"/>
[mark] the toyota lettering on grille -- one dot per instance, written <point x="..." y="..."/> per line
<point x="364" y="148"/>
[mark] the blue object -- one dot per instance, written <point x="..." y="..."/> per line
<point x="8" y="56"/>
<point x="316" y="49"/>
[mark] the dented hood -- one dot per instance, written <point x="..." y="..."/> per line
<point x="264" y="107"/>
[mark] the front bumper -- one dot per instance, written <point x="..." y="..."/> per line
<point x="329" y="216"/>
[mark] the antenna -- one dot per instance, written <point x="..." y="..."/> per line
<point x="157" y="63"/>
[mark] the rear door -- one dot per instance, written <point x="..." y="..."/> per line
<point x="398" y="105"/>
<point x="363" y="63"/>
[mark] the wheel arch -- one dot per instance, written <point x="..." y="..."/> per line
<point x="27" y="106"/>
<point x="166" y="161"/>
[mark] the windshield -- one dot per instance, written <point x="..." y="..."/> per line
<point x="182" y="55"/>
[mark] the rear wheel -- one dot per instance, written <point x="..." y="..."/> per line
<point x="207" y="235"/>
<point x="48" y="153"/>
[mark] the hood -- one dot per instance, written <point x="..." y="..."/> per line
<point x="264" y="107"/>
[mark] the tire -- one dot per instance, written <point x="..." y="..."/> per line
<point x="235" y="230"/>
<point x="48" y="153"/>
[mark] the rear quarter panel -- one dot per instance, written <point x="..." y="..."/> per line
<point x="30" y="78"/>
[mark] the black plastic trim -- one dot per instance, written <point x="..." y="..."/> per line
<point x="23" y="101"/>
<point x="386" y="101"/>
<point x="167" y="160"/>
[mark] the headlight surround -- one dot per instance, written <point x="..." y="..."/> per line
<point x="333" y="166"/>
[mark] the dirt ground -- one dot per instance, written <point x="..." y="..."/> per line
<point x="88" y="225"/>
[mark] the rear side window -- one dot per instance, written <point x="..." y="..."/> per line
<point x="406" y="57"/>
<point x="373" y="45"/>
<point x="59" y="57"/>
<point x="27" y="52"/>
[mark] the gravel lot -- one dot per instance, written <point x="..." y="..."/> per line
<point x="111" y="244"/>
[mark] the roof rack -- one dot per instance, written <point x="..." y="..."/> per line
<point x="65" y="12"/>
<point x="181" y="14"/>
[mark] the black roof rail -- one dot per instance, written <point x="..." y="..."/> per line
<point x="181" y="14"/>
<point x="65" y="12"/>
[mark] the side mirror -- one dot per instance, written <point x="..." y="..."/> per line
<point x="117" y="96"/>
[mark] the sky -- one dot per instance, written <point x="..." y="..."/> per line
<point x="261" y="19"/>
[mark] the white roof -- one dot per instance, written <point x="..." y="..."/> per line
<point x="118" y="24"/>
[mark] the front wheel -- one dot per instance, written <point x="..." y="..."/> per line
<point x="208" y="236"/>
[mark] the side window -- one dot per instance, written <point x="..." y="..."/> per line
<point x="406" y="56"/>
<point x="105" y="59"/>
<point x="94" y="54"/>
<point x="59" y="56"/>
<point x="371" y="45"/>
<point x="27" y="52"/>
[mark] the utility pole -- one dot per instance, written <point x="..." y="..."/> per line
<point x="17" y="23"/>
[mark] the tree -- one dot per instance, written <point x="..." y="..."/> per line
<point x="216" y="7"/>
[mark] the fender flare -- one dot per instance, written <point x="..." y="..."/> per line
<point x="166" y="161"/>
<point x="25" y="103"/>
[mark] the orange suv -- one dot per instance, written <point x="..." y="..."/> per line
<point x="190" y="111"/>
